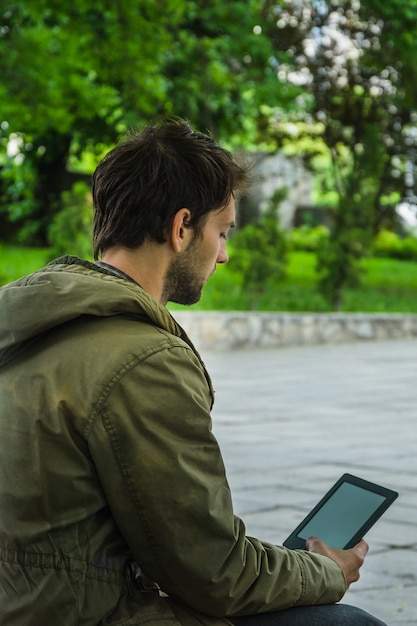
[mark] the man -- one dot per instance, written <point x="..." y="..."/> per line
<point x="114" y="505"/>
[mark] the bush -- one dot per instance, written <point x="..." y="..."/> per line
<point x="71" y="228"/>
<point x="338" y="264"/>
<point x="17" y="203"/>
<point x="390" y="245"/>
<point x="307" y="238"/>
<point x="259" y="252"/>
<point x="259" y="255"/>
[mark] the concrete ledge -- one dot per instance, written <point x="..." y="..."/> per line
<point x="234" y="331"/>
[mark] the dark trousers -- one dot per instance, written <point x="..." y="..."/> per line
<point x="325" y="615"/>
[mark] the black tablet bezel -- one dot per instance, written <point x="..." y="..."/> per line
<point x="295" y="542"/>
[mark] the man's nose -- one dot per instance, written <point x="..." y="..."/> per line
<point x="222" y="257"/>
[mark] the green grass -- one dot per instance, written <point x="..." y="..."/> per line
<point x="16" y="261"/>
<point x="388" y="285"/>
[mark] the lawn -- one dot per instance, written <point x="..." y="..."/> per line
<point x="17" y="261"/>
<point x="388" y="285"/>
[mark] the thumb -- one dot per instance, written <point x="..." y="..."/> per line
<point x="361" y="548"/>
<point x="311" y="542"/>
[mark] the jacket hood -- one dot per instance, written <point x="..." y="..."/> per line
<point x="64" y="290"/>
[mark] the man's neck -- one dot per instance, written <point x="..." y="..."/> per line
<point x="146" y="266"/>
<point x="115" y="271"/>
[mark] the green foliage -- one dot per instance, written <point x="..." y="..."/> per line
<point x="355" y="61"/>
<point x="389" y="244"/>
<point x="78" y="75"/>
<point x="222" y="71"/>
<point x="258" y="254"/>
<point x="351" y="237"/>
<point x="388" y="286"/>
<point x="309" y="238"/>
<point x="95" y="70"/>
<point x="70" y="67"/>
<point x="73" y="75"/>
<point x="16" y="200"/>
<point x="259" y="249"/>
<point x="338" y="265"/>
<point x="71" y="229"/>
<point x="398" y="43"/>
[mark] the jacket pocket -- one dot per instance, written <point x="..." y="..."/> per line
<point x="140" y="603"/>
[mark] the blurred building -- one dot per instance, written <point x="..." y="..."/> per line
<point x="272" y="173"/>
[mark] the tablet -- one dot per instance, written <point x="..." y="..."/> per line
<point x="344" y="515"/>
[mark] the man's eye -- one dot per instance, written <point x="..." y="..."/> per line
<point x="223" y="235"/>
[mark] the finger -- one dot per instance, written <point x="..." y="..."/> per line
<point x="361" y="548"/>
<point x="311" y="542"/>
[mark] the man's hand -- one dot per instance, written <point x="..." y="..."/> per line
<point x="349" y="560"/>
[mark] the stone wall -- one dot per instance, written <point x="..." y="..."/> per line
<point x="234" y="331"/>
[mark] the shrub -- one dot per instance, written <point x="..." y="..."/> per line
<point x="71" y="228"/>
<point x="389" y="244"/>
<point x="259" y="250"/>
<point x="307" y="238"/>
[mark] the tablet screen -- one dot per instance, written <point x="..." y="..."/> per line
<point x="347" y="510"/>
<point x="344" y="514"/>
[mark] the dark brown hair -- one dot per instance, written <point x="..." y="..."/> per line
<point x="140" y="185"/>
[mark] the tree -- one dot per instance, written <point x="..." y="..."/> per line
<point x="355" y="102"/>
<point x="77" y="76"/>
<point x="398" y="49"/>
<point x="221" y="70"/>
<point x="260" y="250"/>
<point x="73" y="77"/>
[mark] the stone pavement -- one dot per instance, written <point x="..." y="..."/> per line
<point x="290" y="421"/>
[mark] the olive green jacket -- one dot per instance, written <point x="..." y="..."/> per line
<point x="110" y="476"/>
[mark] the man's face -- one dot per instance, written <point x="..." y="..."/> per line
<point x="193" y="266"/>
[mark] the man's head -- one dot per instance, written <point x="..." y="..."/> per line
<point x="140" y="185"/>
<point x="196" y="259"/>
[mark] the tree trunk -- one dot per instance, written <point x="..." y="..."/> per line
<point x="50" y="163"/>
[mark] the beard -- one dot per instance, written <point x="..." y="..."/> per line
<point x="184" y="281"/>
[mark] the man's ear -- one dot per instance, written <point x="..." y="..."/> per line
<point x="180" y="231"/>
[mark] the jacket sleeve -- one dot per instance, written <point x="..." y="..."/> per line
<point x="164" y="478"/>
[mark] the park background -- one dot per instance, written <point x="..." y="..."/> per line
<point x="326" y="87"/>
<point x="321" y="97"/>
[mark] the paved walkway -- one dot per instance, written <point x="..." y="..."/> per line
<point x="290" y="421"/>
